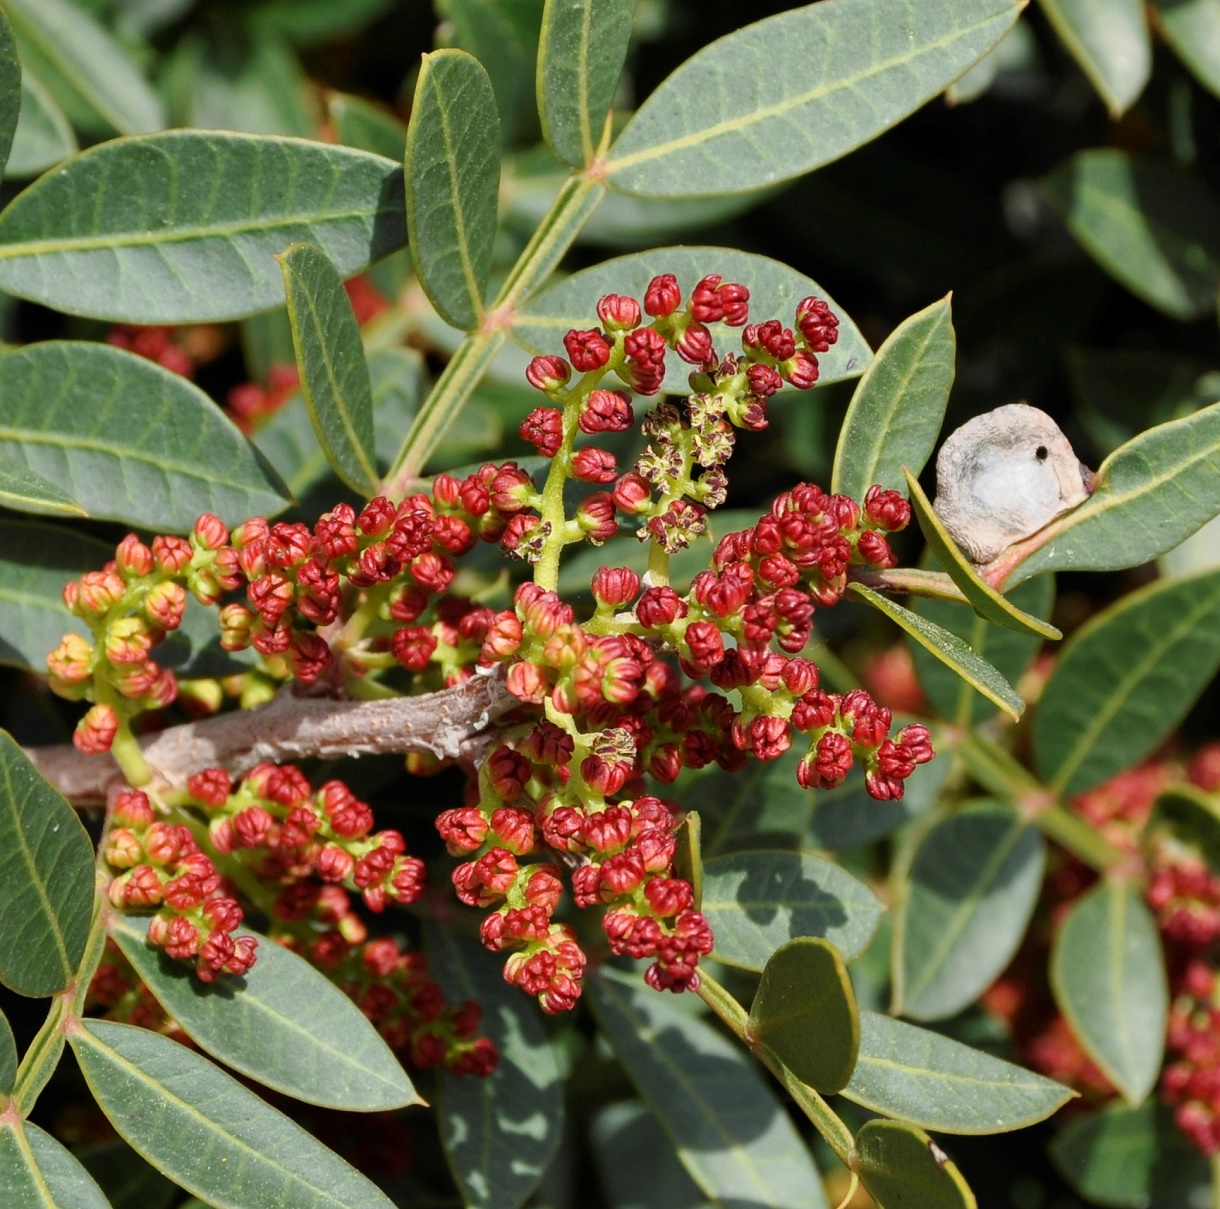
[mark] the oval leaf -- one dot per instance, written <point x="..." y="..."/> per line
<point x="46" y="869"/>
<point x="1108" y="975"/>
<point x="580" y="57"/>
<point x="902" y="1168"/>
<point x="1110" y="41"/>
<point x="1151" y="494"/>
<point x="36" y="1172"/>
<point x="128" y="440"/>
<point x="949" y="649"/>
<point x="24" y="491"/>
<point x="969" y="894"/>
<point x="757" y="901"/>
<point x="453" y="177"/>
<point x="330" y="360"/>
<point x="500" y="1133"/>
<point x="1125" y="681"/>
<point x="899" y="404"/>
<point x="983" y="598"/>
<point x="731" y="1133"/>
<point x="919" y="1076"/>
<point x="1154" y="227"/>
<point x="835" y="76"/>
<point x="183" y="227"/>
<point x="775" y="289"/>
<point x="284" y="1023"/>
<point x="44" y="135"/>
<point x="805" y="1013"/>
<point x="208" y="1133"/>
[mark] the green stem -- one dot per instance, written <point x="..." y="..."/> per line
<point x="1080" y="838"/>
<point x="836" y="1134"/>
<point x="1215" y="1181"/>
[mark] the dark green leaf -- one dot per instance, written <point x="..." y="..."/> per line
<point x="453" y="175"/>
<point x="1151" y="494"/>
<point x="500" y="1133"/>
<point x="835" y="76"/>
<point x="128" y="440"/>
<point x="621" y="1133"/>
<point x="774" y="289"/>
<point x="24" y="491"/>
<point x="969" y="894"/>
<point x="205" y="1131"/>
<point x="899" y="405"/>
<point x="1189" y="26"/>
<point x="902" y="1168"/>
<point x="183" y="227"/>
<point x="580" y="57"/>
<point x="8" y="1057"/>
<point x="10" y="88"/>
<point x="360" y="123"/>
<point x="284" y="1023"/>
<point x="919" y="1076"/>
<point x="757" y="901"/>
<point x="849" y="815"/>
<point x="1125" y="680"/>
<point x="1008" y="652"/>
<point x="44" y="135"/>
<point x="731" y="1133"/>
<point x="1131" y="1158"/>
<point x="330" y="360"/>
<point x="309" y="21"/>
<point x="36" y="1172"/>
<point x="1193" y="816"/>
<point x="1153" y="226"/>
<point x="46" y="869"/>
<point x="1109" y="39"/>
<point x="36" y="560"/>
<point x="949" y="649"/>
<point x="805" y="1013"/>
<point x="1108" y="974"/>
<point x="98" y="86"/>
<point x="126" y="1179"/>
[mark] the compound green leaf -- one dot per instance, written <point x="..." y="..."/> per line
<point x="965" y="904"/>
<point x="787" y="94"/>
<point x="24" y="491"/>
<point x="10" y="88"/>
<point x="580" y="57"/>
<point x="44" y="135"/>
<point x="360" y="123"/>
<point x="918" y="1076"/>
<point x="36" y="1172"/>
<point x="99" y="87"/>
<point x="899" y="404"/>
<point x="757" y="901"/>
<point x="805" y="1013"/>
<point x="729" y="1130"/>
<point x="902" y="1168"/>
<point x="183" y="227"/>
<point x="1153" y="226"/>
<point x="1110" y="41"/>
<point x="500" y="1133"/>
<point x="983" y="598"/>
<point x="205" y="1131"/>
<point x="284" y="1023"/>
<point x="1192" y="28"/>
<point x="46" y="869"/>
<point x="453" y="177"/>
<point x="8" y="1057"/>
<point x="1125" y="680"/>
<point x="775" y="289"/>
<point x="127" y="439"/>
<point x="948" y="648"/>
<point x="1108" y="975"/>
<point x="330" y="360"/>
<point x="1151" y="494"/>
<point x="36" y="560"/>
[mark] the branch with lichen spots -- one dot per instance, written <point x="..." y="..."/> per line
<point x="451" y="724"/>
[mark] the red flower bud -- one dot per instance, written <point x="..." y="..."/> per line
<point x="662" y="296"/>
<point x="587" y="349"/>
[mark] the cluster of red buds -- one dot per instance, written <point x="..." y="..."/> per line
<point x="157" y="343"/>
<point x="1190" y="1081"/>
<point x="160" y="865"/>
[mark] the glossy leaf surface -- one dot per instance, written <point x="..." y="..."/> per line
<point x="128" y="440"/>
<point x="1110" y="41"/>
<point x="46" y="869"/>
<point x="184" y="227"/>
<point x="899" y="405"/>
<point x="902" y="1168"/>
<point x="37" y="1172"/>
<point x="821" y="80"/>
<point x="1108" y="975"/>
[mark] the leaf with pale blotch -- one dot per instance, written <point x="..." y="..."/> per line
<point x="899" y="404"/>
<point x="1108" y="975"/>
<point x="948" y="648"/>
<point x="902" y="1168"/>
<point x="37" y="1172"/>
<point x="1110" y="41"/>
<point x="184" y="227"/>
<point x="787" y="94"/>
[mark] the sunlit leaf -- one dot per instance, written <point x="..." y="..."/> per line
<point x="902" y="1168"/>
